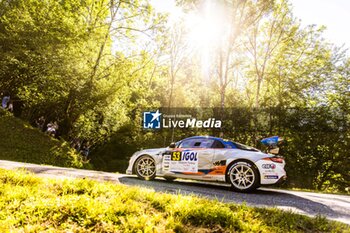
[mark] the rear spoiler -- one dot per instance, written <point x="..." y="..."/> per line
<point x="272" y="144"/>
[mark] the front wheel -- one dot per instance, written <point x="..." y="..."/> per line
<point x="145" y="167"/>
<point x="243" y="176"/>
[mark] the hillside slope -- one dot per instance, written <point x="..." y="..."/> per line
<point x="21" y="142"/>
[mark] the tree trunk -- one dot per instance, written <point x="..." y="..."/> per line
<point x="258" y="92"/>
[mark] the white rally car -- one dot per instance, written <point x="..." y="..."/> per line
<point x="210" y="159"/>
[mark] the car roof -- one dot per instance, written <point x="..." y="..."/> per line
<point x="207" y="137"/>
<point x="204" y="137"/>
<point x="225" y="142"/>
<point x="228" y="143"/>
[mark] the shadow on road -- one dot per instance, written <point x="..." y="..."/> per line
<point x="260" y="197"/>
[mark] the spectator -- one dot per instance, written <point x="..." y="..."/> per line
<point x="10" y="106"/>
<point x="40" y="123"/>
<point x="55" y="125"/>
<point x="76" y="144"/>
<point x="85" y="150"/>
<point x="5" y="100"/>
<point x="52" y="128"/>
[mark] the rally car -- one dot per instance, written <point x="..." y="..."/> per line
<point x="208" y="158"/>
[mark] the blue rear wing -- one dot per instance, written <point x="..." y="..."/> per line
<point x="271" y="141"/>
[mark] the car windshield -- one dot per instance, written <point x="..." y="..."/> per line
<point x="244" y="147"/>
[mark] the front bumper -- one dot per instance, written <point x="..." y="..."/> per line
<point x="129" y="172"/>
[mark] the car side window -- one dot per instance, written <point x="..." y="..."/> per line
<point x="218" y="144"/>
<point x="197" y="143"/>
<point x="186" y="144"/>
<point x="205" y="143"/>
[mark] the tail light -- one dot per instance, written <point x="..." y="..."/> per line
<point x="275" y="159"/>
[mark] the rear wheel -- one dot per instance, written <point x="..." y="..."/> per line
<point x="243" y="176"/>
<point x="145" y="167"/>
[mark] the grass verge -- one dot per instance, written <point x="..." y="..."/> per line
<point x="32" y="204"/>
<point x="21" y="142"/>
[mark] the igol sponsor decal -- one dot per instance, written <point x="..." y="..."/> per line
<point x="184" y="156"/>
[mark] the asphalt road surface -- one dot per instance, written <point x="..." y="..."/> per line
<point x="332" y="206"/>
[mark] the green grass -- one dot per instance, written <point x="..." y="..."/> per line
<point x="32" y="204"/>
<point x="21" y="142"/>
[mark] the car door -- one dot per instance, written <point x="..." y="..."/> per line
<point x="219" y="158"/>
<point x="192" y="157"/>
<point x="220" y="151"/>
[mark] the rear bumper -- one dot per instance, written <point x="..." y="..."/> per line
<point x="282" y="180"/>
<point x="279" y="181"/>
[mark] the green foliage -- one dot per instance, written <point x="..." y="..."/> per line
<point x="57" y="60"/>
<point x="29" y="203"/>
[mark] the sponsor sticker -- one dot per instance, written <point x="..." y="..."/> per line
<point x="268" y="166"/>
<point x="181" y="161"/>
<point x="270" y="177"/>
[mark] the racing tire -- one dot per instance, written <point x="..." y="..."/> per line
<point x="243" y="176"/>
<point x="145" y="167"/>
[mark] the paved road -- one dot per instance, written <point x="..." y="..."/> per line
<point x="336" y="207"/>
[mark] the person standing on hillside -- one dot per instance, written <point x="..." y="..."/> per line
<point x="85" y="150"/>
<point x="5" y="100"/>
<point x="75" y="143"/>
<point x="10" y="106"/>
<point x="52" y="129"/>
<point x="40" y="123"/>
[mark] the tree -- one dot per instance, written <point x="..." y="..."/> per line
<point x="58" y="60"/>
<point x="178" y="50"/>
<point x="241" y="15"/>
<point x="267" y="35"/>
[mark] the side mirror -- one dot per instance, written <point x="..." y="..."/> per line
<point x="172" y="145"/>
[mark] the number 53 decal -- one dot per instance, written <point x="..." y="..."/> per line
<point x="176" y="156"/>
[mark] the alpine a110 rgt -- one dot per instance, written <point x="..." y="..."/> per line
<point x="208" y="158"/>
